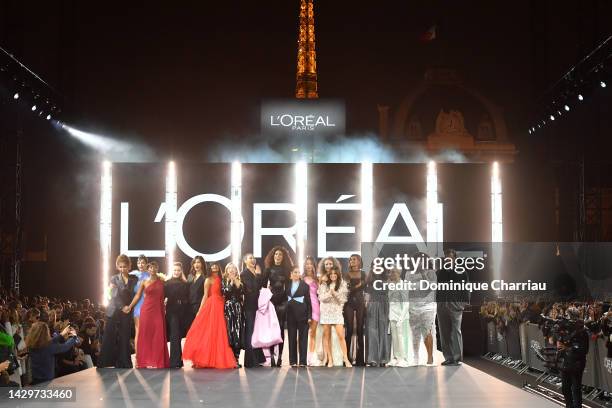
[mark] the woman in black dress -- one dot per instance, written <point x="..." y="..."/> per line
<point x="251" y="278"/>
<point x="278" y="265"/>
<point x="354" y="309"/>
<point x="196" y="278"/>
<point x="233" y="292"/>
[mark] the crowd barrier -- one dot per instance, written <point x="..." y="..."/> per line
<point x="521" y="341"/>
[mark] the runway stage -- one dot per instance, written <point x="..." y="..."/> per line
<point x="421" y="386"/>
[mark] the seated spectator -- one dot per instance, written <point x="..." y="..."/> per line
<point x="91" y="343"/>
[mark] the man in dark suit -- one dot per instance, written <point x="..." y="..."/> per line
<point x="299" y="313"/>
<point x="451" y="304"/>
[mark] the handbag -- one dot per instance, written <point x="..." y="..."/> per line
<point x="266" y="332"/>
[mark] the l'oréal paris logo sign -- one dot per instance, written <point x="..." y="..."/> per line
<point x="300" y="122"/>
<point x="293" y="118"/>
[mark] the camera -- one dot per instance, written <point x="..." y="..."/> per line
<point x="569" y="333"/>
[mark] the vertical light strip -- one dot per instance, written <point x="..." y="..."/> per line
<point x="106" y="218"/>
<point x="171" y="202"/>
<point x="236" y="213"/>
<point x="367" y="201"/>
<point x="432" y="203"/>
<point x="496" y="205"/>
<point x="440" y="229"/>
<point x="301" y="211"/>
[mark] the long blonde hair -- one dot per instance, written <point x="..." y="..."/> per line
<point x="226" y="271"/>
<point x="38" y="336"/>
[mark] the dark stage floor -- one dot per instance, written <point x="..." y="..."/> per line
<point x="421" y="387"/>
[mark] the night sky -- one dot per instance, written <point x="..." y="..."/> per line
<point x="180" y="77"/>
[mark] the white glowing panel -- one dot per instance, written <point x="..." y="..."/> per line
<point x="236" y="212"/>
<point x="171" y="199"/>
<point x="432" y="203"/>
<point x="301" y="210"/>
<point x="367" y="201"/>
<point x="496" y="205"/>
<point x="106" y="212"/>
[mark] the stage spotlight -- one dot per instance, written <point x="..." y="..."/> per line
<point x="367" y="199"/>
<point x="567" y="108"/>
<point x="580" y="97"/>
<point x="33" y="108"/>
<point x="301" y="211"/>
<point x="529" y="131"/>
<point x="602" y="84"/>
<point x="106" y="217"/>
<point x="552" y="117"/>
<point x="171" y="202"/>
<point x="539" y="126"/>
<point x="16" y="96"/>
<point x="236" y="213"/>
<point x="48" y="117"/>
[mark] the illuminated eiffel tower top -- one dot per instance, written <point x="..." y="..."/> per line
<point x="306" y="77"/>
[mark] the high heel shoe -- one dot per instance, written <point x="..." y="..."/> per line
<point x="347" y="363"/>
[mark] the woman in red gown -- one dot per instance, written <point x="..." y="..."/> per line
<point x="152" y="347"/>
<point x="206" y="344"/>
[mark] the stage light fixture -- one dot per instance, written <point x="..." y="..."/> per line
<point x="567" y="108"/>
<point x="552" y="117"/>
<point x="301" y="211"/>
<point x="106" y="213"/>
<point x="602" y="84"/>
<point x="171" y="203"/>
<point x="236" y="213"/>
<point x="580" y="97"/>
<point x="33" y="108"/>
<point x="16" y="96"/>
<point x="496" y="205"/>
<point x="48" y="117"/>
<point x="367" y="201"/>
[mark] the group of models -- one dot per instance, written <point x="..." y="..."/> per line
<point x="223" y="311"/>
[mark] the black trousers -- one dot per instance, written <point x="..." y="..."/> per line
<point x="298" y="337"/>
<point x="571" y="386"/>
<point x="354" y="319"/>
<point x="281" y="314"/>
<point x="252" y="357"/>
<point x="115" y="351"/>
<point x="175" y="331"/>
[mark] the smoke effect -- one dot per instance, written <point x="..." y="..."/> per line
<point x="112" y="149"/>
<point x="342" y="149"/>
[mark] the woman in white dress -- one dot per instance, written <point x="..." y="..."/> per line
<point x="333" y="293"/>
<point x="422" y="312"/>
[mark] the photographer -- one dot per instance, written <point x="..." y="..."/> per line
<point x="43" y="349"/>
<point x="572" y="346"/>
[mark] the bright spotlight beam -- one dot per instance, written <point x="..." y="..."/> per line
<point x="106" y="213"/>
<point x="367" y="201"/>
<point x="236" y="213"/>
<point x="496" y="205"/>
<point x="301" y="210"/>
<point x="434" y="210"/>
<point x="106" y="146"/>
<point x="171" y="203"/>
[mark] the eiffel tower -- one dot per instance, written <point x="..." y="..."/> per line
<point x="306" y="77"/>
